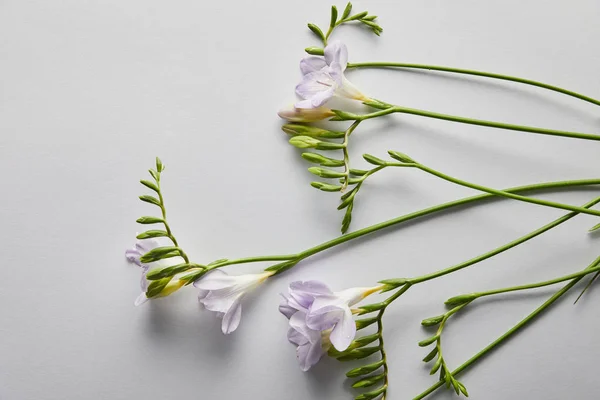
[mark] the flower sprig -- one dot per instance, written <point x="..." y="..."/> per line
<point x="361" y="17"/>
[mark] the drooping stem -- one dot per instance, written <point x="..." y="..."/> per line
<point x="476" y="73"/>
<point x="509" y="333"/>
<point x="472" y="121"/>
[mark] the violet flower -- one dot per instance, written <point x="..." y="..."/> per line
<point x="324" y="78"/>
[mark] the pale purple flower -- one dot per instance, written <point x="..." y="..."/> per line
<point x="294" y="114"/>
<point x="323" y="78"/>
<point x="320" y="318"/>
<point x="141" y="247"/>
<point x="223" y="294"/>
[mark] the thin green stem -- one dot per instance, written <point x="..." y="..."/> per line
<point x="471" y="121"/>
<point x="165" y="223"/>
<point x="476" y="73"/>
<point x="509" y="333"/>
<point x="502" y="193"/>
<point x="501" y="249"/>
<point x="346" y="155"/>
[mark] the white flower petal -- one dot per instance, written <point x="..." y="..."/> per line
<point x="312" y="64"/>
<point x="231" y="319"/>
<point x="336" y="52"/>
<point x="141" y="299"/>
<point x="308" y="355"/>
<point x="314" y="83"/>
<point x="296" y="337"/>
<point x="219" y="301"/>
<point x="344" y="331"/>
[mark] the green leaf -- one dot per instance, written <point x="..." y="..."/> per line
<point x="358" y="354"/>
<point x="373" y="160"/>
<point x="155" y="287"/>
<point x="431" y="355"/>
<point x="347" y="218"/>
<point x="159" y="165"/>
<point x="433" y="321"/>
<point x="149" y="220"/>
<point x="150" y="185"/>
<point x="159" y="253"/>
<point x="315" y="51"/>
<point x="400" y="157"/>
<point x="347" y="10"/>
<point x="369" y="381"/>
<point x="363" y="323"/>
<point x="150" y="199"/>
<point x="317" y="31"/>
<point x="364" y="370"/>
<point x="152" y="234"/>
<point x="325" y="187"/>
<point x="334" y="15"/>
<point x="428" y="341"/>
<point x="371" y="395"/>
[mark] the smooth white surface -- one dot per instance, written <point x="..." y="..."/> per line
<point x="91" y="91"/>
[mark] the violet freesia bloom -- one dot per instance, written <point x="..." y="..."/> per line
<point x="324" y="78"/>
<point x="223" y="294"/>
<point x="141" y="247"/>
<point x="320" y="318"/>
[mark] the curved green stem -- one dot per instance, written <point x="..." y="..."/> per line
<point x="500" y="249"/>
<point x="472" y="121"/>
<point x="502" y="193"/>
<point x="509" y="333"/>
<point x="476" y="73"/>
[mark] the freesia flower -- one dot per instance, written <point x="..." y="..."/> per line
<point x="324" y="77"/>
<point x="223" y="294"/>
<point x="320" y="318"/>
<point x="305" y="114"/>
<point x="141" y="247"/>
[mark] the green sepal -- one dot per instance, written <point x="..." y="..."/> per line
<point x="155" y="287"/>
<point x="396" y="155"/>
<point x="594" y="228"/>
<point x="325" y="173"/>
<point x="150" y="199"/>
<point x="358" y="16"/>
<point x="365" y="340"/>
<point x="315" y="51"/>
<point x="381" y="105"/>
<point x="371" y="395"/>
<point x="391" y="284"/>
<point x="149" y="220"/>
<point x="431" y="355"/>
<point x="461" y="299"/>
<point x="329" y="146"/>
<point x="326" y="187"/>
<point x="365" y="369"/>
<point x="343" y="116"/>
<point x="322" y="160"/>
<point x="159" y="165"/>
<point x="374" y="160"/>
<point x="462" y="388"/>
<point x="150" y="185"/>
<point x="193" y="277"/>
<point x="369" y="18"/>
<point x="347" y="10"/>
<point x="159" y="273"/>
<point x="428" y="341"/>
<point x="284" y="266"/>
<point x="348" y="194"/>
<point x="369" y="381"/>
<point x="313" y="131"/>
<point x="433" y="321"/>
<point x="358" y="354"/>
<point x="347" y="200"/>
<point x="317" y="31"/>
<point x="159" y="253"/>
<point x="219" y="261"/>
<point x="363" y="323"/>
<point x="371" y="307"/>
<point x="358" y="172"/>
<point x="154" y="174"/>
<point x="151" y="234"/>
<point x="436" y="366"/>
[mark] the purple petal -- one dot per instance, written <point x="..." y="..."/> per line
<point x="312" y="64"/>
<point x="336" y="52"/>
<point x="344" y="331"/>
<point x="313" y="83"/>
<point x="285" y="308"/>
<point x="133" y="255"/>
<point x="308" y="355"/>
<point x="304" y="293"/>
<point x="231" y="319"/>
<point x="296" y="337"/>
<point x="324" y="321"/>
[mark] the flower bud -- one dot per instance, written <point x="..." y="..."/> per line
<point x="305" y="114"/>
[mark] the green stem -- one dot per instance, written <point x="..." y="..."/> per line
<point x="346" y="155"/>
<point x="538" y="284"/>
<point x="471" y="121"/>
<point x="476" y="73"/>
<point x="501" y="249"/>
<point x="509" y="333"/>
<point x="165" y="223"/>
<point x="501" y="192"/>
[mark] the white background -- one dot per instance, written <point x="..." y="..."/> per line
<point x="91" y="91"/>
